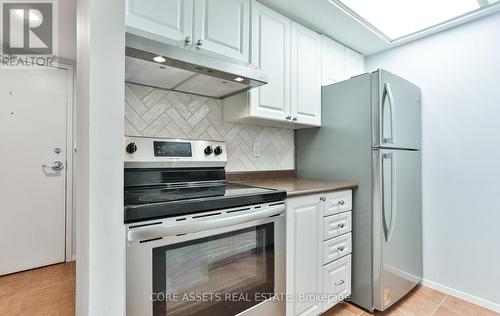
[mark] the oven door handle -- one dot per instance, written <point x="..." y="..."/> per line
<point x="173" y="229"/>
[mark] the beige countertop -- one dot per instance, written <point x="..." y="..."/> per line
<point x="292" y="185"/>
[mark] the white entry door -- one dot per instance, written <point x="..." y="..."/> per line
<point x="33" y="112"/>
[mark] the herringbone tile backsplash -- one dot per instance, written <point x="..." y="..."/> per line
<point x="163" y="113"/>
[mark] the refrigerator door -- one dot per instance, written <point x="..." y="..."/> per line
<point x="396" y="112"/>
<point x="397" y="220"/>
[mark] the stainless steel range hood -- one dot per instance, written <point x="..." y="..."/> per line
<point x="186" y="70"/>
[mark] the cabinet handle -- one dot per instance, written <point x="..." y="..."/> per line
<point x="341" y="248"/>
<point x="187" y="40"/>
<point x="340" y="283"/>
<point x="199" y="43"/>
<point x="295" y="119"/>
<point x="341" y="225"/>
<point x="341" y="202"/>
<point x="288" y="118"/>
<point x="323" y="198"/>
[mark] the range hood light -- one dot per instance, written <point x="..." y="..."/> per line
<point x="160" y="65"/>
<point x="159" y="59"/>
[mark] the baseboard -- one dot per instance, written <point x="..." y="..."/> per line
<point x="461" y="295"/>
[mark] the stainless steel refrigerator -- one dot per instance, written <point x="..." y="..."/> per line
<point x="371" y="134"/>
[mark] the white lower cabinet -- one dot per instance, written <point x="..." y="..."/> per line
<point x="318" y="258"/>
<point x="337" y="281"/>
<point x="303" y="253"/>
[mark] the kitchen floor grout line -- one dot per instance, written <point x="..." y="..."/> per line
<point x="439" y="305"/>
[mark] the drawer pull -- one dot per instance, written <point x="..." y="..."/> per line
<point x="341" y="225"/>
<point x="340" y="283"/>
<point x="341" y="248"/>
<point x="323" y="198"/>
<point x="341" y="202"/>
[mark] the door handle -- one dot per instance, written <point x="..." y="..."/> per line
<point x="388" y="228"/>
<point x="390" y="97"/>
<point x="56" y="165"/>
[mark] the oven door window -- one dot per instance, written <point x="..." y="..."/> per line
<point x="218" y="275"/>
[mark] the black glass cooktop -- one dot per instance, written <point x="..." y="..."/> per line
<point x="151" y="202"/>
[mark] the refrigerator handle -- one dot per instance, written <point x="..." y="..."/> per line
<point x="388" y="228"/>
<point x="390" y="97"/>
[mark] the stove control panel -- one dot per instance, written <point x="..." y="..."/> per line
<point x="145" y="152"/>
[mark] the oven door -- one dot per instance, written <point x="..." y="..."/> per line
<point x="226" y="271"/>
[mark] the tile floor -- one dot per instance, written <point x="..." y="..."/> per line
<point x="50" y="291"/>
<point x="422" y="301"/>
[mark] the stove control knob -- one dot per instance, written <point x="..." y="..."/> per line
<point x="218" y="150"/>
<point x="208" y="150"/>
<point x="131" y="148"/>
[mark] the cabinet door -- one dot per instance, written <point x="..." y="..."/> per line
<point x="169" y="20"/>
<point x="304" y="258"/>
<point x="337" y="281"/>
<point x="306" y="76"/>
<point x="355" y="63"/>
<point x="271" y="53"/>
<point x="223" y="27"/>
<point x="333" y="66"/>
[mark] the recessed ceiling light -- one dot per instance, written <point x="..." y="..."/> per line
<point x="397" y="19"/>
<point x="238" y="79"/>
<point x="159" y="59"/>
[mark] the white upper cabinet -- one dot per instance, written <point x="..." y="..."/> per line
<point x="169" y="20"/>
<point x="217" y="26"/>
<point x="292" y="96"/>
<point x="271" y="54"/>
<point x="339" y="62"/>
<point x="355" y="63"/>
<point x="306" y="76"/>
<point x="333" y="66"/>
<point x="223" y="27"/>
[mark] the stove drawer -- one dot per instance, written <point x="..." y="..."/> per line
<point x="336" y="248"/>
<point x="338" y="202"/>
<point x="336" y="225"/>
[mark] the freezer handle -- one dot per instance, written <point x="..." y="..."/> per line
<point x="390" y="98"/>
<point x="388" y="227"/>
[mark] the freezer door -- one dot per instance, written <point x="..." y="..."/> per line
<point x="397" y="206"/>
<point x="396" y="112"/>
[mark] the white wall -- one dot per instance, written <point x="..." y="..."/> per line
<point x="100" y="286"/>
<point x="67" y="30"/>
<point x="459" y="73"/>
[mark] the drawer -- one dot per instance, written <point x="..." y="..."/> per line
<point x="336" y="225"/>
<point x="338" y="202"/>
<point x="336" y="248"/>
<point x="337" y="281"/>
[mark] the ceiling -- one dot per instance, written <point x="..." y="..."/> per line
<point x="325" y="18"/>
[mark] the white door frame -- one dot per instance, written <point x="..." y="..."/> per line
<point x="70" y="151"/>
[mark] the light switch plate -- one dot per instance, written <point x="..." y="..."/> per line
<point x="256" y="150"/>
